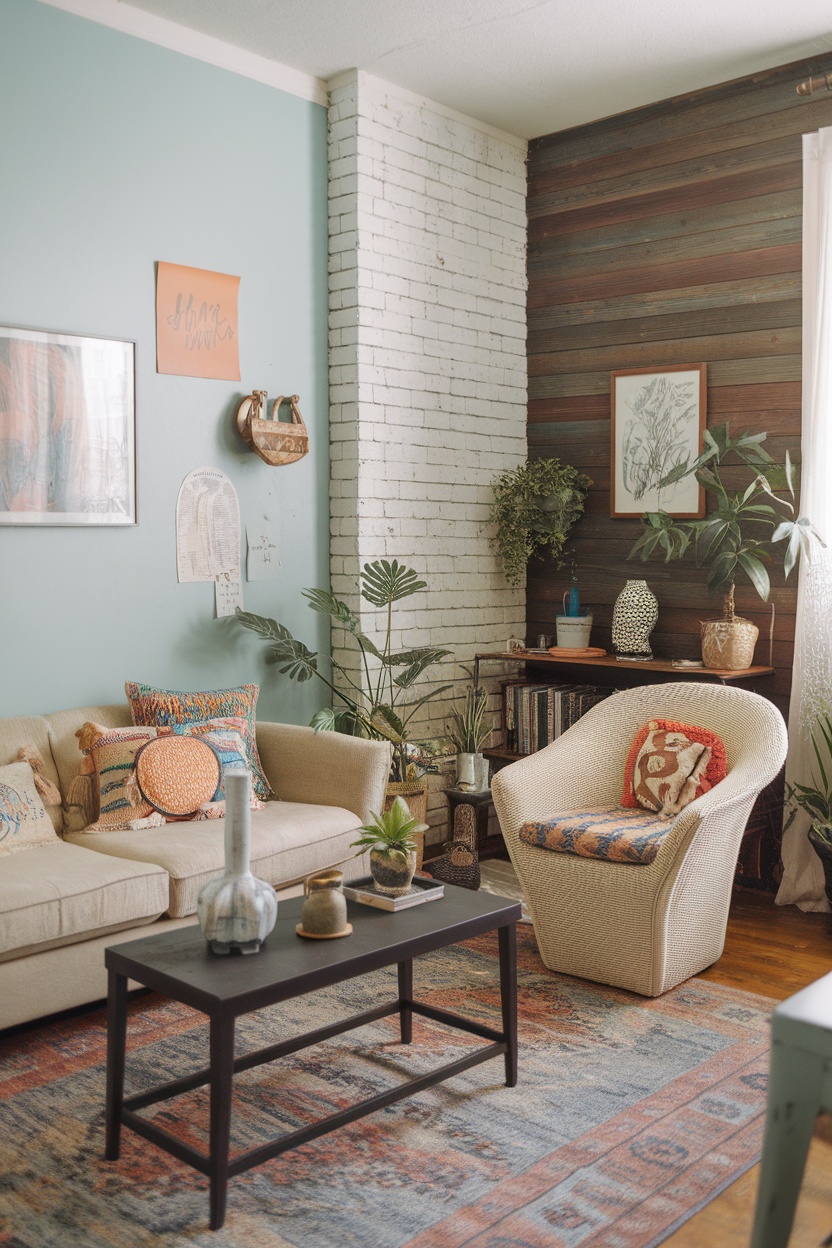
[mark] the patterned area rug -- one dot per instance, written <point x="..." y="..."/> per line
<point x="630" y="1114"/>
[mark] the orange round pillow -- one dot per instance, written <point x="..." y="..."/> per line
<point x="177" y="775"/>
<point x="716" y="770"/>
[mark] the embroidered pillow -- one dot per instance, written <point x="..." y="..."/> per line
<point x="716" y="769"/>
<point x="24" y="822"/>
<point x="177" y="775"/>
<point x="225" y="736"/>
<point x="668" y="769"/>
<point x="166" y="708"/>
<point x="112" y="753"/>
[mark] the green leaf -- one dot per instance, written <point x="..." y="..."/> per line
<point x="386" y="722"/>
<point x="755" y="572"/>
<point x="293" y="658"/>
<point x="327" y="604"/>
<point x="406" y="678"/>
<point x="268" y="629"/>
<point x="323" y="720"/>
<point x="723" y="571"/>
<point x="383" y="583"/>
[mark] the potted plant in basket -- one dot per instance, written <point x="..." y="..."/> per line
<point x="535" y="506"/>
<point x="389" y="839"/>
<point x="736" y="537"/>
<point x="816" y="799"/>
<point x="376" y="703"/>
<point x="468" y="732"/>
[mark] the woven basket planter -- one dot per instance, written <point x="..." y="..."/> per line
<point x="729" y="644"/>
<point x="415" y="793"/>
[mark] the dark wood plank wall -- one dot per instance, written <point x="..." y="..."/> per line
<point x="668" y="235"/>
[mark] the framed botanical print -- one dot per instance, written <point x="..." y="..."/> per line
<point x="657" y="422"/>
<point x="67" y="429"/>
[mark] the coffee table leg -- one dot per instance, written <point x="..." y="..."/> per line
<point x="508" y="998"/>
<point x="405" y="997"/>
<point x="222" y="1069"/>
<point x="116" y="1053"/>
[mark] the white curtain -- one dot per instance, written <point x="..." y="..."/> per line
<point x="803" y="881"/>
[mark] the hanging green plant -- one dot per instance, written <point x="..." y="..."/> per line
<point x="535" y="506"/>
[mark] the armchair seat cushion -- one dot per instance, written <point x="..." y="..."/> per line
<point x="610" y="833"/>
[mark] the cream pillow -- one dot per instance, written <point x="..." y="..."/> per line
<point x="24" y="822"/>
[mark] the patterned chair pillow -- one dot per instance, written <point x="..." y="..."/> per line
<point x="608" y="833"/>
<point x="164" y="708"/>
<point x="24" y="822"/>
<point x="716" y="769"/>
<point x="668" y="770"/>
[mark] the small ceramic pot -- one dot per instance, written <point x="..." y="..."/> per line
<point x="325" y="908"/>
<point x="472" y="773"/>
<point x="392" y="871"/>
<point x="573" y="630"/>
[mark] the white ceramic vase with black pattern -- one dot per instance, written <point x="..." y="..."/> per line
<point x="633" y="620"/>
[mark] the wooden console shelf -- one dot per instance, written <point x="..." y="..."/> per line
<point x="658" y="669"/>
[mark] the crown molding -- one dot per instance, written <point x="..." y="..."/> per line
<point x="153" y="29"/>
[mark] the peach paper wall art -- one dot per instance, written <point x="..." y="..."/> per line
<point x="196" y="322"/>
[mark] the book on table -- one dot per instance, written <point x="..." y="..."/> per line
<point x="421" y="890"/>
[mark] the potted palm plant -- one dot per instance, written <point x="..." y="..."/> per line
<point x="535" y="506"/>
<point x="390" y="840"/>
<point x="468" y="732"/>
<point x="376" y="703"/>
<point x="816" y="799"/>
<point x="737" y="537"/>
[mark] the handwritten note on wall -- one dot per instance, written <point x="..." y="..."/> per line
<point x="196" y="322"/>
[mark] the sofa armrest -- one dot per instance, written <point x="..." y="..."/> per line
<point x="324" y="768"/>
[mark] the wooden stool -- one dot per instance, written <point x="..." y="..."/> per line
<point x="800" y="1087"/>
<point x="487" y="846"/>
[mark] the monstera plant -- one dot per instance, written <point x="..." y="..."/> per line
<point x="376" y="703"/>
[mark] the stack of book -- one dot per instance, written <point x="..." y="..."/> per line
<point x="535" y="715"/>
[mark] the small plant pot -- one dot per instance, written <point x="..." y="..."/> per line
<point x="824" y="851"/>
<point x="729" y="644"/>
<point x="472" y="773"/>
<point x="573" y="631"/>
<point x="392" y="871"/>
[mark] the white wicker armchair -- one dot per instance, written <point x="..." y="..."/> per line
<point x="644" y="928"/>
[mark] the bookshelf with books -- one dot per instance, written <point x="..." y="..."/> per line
<point x="536" y="714"/>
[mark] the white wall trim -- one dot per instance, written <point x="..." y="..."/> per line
<point x="171" y="35"/>
<point x="377" y="88"/>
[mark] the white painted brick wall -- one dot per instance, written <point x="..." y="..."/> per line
<point x="427" y="230"/>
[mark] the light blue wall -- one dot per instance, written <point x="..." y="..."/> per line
<point x="115" y="153"/>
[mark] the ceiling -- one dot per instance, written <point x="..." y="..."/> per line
<point x="529" y="67"/>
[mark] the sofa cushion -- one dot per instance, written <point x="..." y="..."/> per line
<point x="24" y="822"/>
<point x="33" y="730"/>
<point x="606" y="832"/>
<point x="57" y="894"/>
<point x="288" y="840"/>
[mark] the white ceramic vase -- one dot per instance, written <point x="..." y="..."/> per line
<point x="472" y="773"/>
<point x="237" y="911"/>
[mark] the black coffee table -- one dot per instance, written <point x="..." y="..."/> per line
<point x="180" y="965"/>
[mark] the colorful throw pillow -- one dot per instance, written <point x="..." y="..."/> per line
<point x="24" y="822"/>
<point x="177" y="775"/>
<point x="112" y="753"/>
<point x="604" y="832"/>
<point x="226" y="738"/>
<point x="716" y="769"/>
<point x="166" y="708"/>
<point x="668" y="770"/>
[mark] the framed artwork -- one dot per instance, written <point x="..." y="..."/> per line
<point x="67" y="429"/>
<point x="657" y="421"/>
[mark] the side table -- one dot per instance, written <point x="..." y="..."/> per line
<point x="487" y="846"/>
<point x="800" y="1086"/>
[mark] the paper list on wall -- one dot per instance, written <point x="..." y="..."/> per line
<point x="262" y="552"/>
<point x="228" y="593"/>
<point x="207" y="527"/>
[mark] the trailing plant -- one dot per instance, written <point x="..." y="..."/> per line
<point x="390" y="832"/>
<point x="376" y="703"/>
<point x="816" y="799"/>
<point x="467" y="729"/>
<point x="535" y="506"/>
<point x="740" y="531"/>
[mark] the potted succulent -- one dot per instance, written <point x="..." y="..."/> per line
<point x="815" y="799"/>
<point x="736" y="537"/>
<point x="468" y="732"/>
<point x="375" y="704"/>
<point x="389" y="838"/>
<point x="535" y="506"/>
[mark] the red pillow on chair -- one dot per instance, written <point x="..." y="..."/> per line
<point x="716" y="770"/>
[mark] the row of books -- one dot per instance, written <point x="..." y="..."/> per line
<point x="535" y="715"/>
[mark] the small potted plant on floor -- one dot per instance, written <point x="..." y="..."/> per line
<point x="736" y="537"/>
<point x="535" y="506"/>
<point x="390" y="840"/>
<point x="815" y="799"/>
<point x="468" y="732"/>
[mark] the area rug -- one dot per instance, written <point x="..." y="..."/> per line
<point x="629" y="1115"/>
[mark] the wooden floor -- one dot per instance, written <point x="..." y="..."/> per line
<point x="775" y="951"/>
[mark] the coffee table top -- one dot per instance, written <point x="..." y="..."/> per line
<point x="180" y="964"/>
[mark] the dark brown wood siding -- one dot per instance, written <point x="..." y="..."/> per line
<point x="668" y="235"/>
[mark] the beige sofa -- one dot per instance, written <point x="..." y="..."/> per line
<point x="62" y="904"/>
